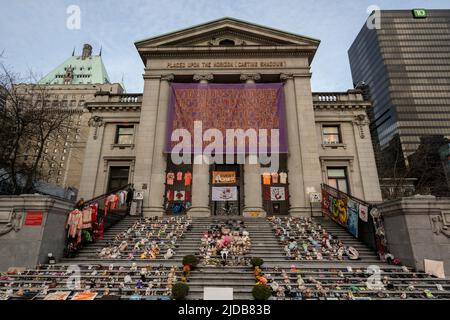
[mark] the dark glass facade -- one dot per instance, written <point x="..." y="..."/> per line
<point x="406" y="65"/>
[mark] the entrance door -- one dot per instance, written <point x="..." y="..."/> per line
<point x="118" y="177"/>
<point x="226" y="189"/>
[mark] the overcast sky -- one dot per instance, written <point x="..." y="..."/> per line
<point x="33" y="34"/>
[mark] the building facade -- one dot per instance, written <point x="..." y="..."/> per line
<point x="229" y="73"/>
<point x="71" y="85"/>
<point x="405" y="64"/>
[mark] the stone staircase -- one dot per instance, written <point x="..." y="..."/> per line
<point x="264" y="245"/>
<point x="89" y="254"/>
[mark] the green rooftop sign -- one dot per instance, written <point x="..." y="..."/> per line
<point x="419" y="13"/>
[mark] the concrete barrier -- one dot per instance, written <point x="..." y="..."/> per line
<point x="418" y="228"/>
<point x="31" y="226"/>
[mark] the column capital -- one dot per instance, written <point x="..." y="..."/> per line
<point x="167" y="77"/>
<point x="361" y="121"/>
<point x="250" y="76"/>
<point x="286" y="76"/>
<point x="203" y="77"/>
<point x="95" y="122"/>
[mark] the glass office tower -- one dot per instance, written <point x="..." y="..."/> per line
<point x="405" y="65"/>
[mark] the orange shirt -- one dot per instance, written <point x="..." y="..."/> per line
<point x="187" y="178"/>
<point x="266" y="178"/>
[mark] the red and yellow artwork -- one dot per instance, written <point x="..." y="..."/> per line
<point x="227" y="106"/>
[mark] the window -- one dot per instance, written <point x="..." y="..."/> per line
<point x="124" y="135"/>
<point x="118" y="177"/>
<point x="226" y="42"/>
<point x="331" y="134"/>
<point x="337" y="178"/>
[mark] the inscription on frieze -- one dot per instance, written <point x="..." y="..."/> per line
<point x="224" y="64"/>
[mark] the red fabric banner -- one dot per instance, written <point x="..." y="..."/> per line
<point x="227" y="106"/>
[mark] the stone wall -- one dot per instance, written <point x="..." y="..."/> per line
<point x="417" y="228"/>
<point x="24" y="245"/>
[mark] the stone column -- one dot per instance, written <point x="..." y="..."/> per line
<point x="145" y="141"/>
<point x="253" y="205"/>
<point x="91" y="161"/>
<point x="294" y="161"/>
<point x="309" y="153"/>
<point x="370" y="185"/>
<point x="159" y="162"/>
<point x="200" y="174"/>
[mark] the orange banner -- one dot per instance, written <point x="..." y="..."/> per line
<point x="223" y="177"/>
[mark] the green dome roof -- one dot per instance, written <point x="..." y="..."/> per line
<point x="86" y="70"/>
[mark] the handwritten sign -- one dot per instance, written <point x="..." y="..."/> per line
<point x="219" y="177"/>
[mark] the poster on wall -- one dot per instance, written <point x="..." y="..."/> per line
<point x="224" y="194"/>
<point x="352" y="220"/>
<point x="335" y="207"/>
<point x="223" y="177"/>
<point x="180" y="195"/>
<point x="364" y="213"/>
<point x="277" y="194"/>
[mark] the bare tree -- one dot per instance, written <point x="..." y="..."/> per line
<point x="29" y="122"/>
<point x="422" y="172"/>
<point x="427" y="166"/>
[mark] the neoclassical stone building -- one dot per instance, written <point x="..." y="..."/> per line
<point x="205" y="73"/>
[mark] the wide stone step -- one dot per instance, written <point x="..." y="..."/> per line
<point x="92" y="260"/>
<point x="362" y="250"/>
<point x="318" y="275"/>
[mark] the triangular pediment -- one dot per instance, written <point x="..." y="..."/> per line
<point x="227" y="31"/>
